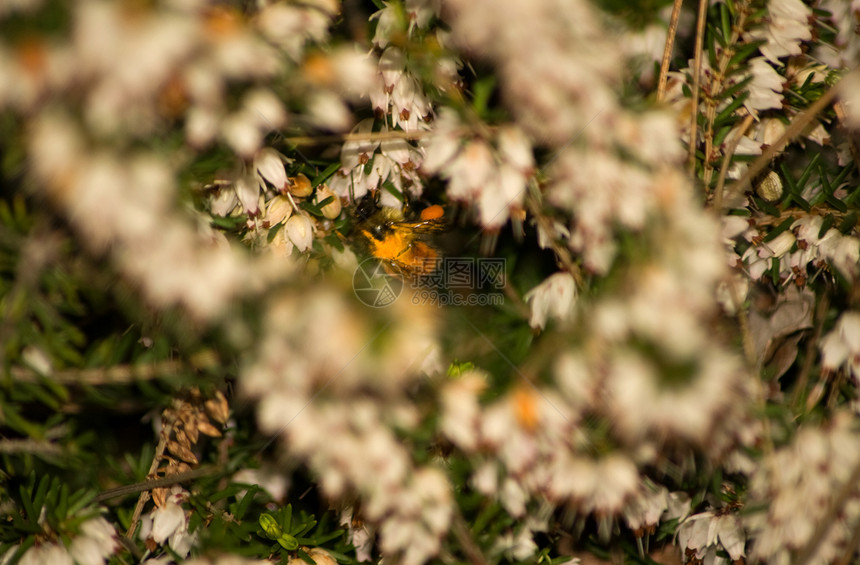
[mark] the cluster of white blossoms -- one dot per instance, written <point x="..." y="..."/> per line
<point x="367" y="164"/>
<point x="122" y="204"/>
<point x="94" y="543"/>
<point x="792" y="251"/>
<point x="399" y="103"/>
<point x="492" y="175"/>
<point x="134" y="72"/>
<point x="703" y="534"/>
<point x="841" y="347"/>
<point x="813" y="504"/>
<point x="334" y="399"/>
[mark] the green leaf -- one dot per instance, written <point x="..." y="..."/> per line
<point x="729" y="110"/>
<point x="325" y="174"/>
<point x="743" y="52"/>
<point x="783" y="226"/>
<point x="482" y="91"/>
<point x="288" y="542"/>
<point x="726" y="21"/>
<point x="246" y="501"/>
<point x="270" y="526"/>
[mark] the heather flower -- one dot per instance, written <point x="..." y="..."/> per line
<point x="300" y="230"/>
<point x="786" y="27"/>
<point x="797" y="486"/>
<point x="47" y="553"/>
<point x="269" y="165"/>
<point x="842" y="344"/>
<point x="765" y="89"/>
<point x="95" y="543"/>
<point x="165" y="522"/>
<point x="703" y="533"/>
<point x="553" y="298"/>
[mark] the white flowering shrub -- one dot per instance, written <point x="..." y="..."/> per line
<point x="429" y="281"/>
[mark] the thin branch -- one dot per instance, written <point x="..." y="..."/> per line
<point x="697" y="72"/>
<point x="164" y="437"/>
<point x="369" y="136"/>
<point x="667" y="49"/>
<point x="117" y="374"/>
<point x="727" y="161"/>
<point x="718" y="75"/>
<point x="159" y="482"/>
<point x="461" y="531"/>
<point x="33" y="447"/>
<point x="797" y="125"/>
<point x="821" y="306"/>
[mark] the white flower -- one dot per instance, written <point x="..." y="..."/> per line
<point x="843" y="251"/>
<point x="328" y="110"/>
<point x="786" y="27"/>
<point x="843" y="343"/>
<point x="96" y="541"/>
<point x="47" y="553"/>
<point x="164" y="522"/>
<point x="778" y="246"/>
<point x="705" y="530"/>
<point x="553" y="298"/>
<point x="269" y="165"/>
<point x="248" y="192"/>
<point x="300" y="231"/>
<point x="766" y="87"/>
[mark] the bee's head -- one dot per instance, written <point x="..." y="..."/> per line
<point x="367" y="207"/>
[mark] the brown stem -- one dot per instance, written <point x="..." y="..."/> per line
<point x="796" y="126"/>
<point x="164" y="437"/>
<point x="667" y="49"/>
<point x="697" y="72"/>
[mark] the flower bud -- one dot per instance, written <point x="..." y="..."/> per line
<point x="278" y="210"/>
<point x="333" y="208"/>
<point x="300" y="186"/>
<point x="300" y="232"/>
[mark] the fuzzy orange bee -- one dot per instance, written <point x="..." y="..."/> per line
<point x="393" y="236"/>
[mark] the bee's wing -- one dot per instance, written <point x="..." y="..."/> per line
<point x="427" y="226"/>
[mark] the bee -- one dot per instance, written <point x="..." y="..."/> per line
<point x="400" y="238"/>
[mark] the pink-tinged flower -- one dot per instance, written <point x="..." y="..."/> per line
<point x="515" y="149"/>
<point x="291" y="25"/>
<point x="223" y="201"/>
<point x="300" y="231"/>
<point x="553" y="298"/>
<point x="269" y="164"/>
